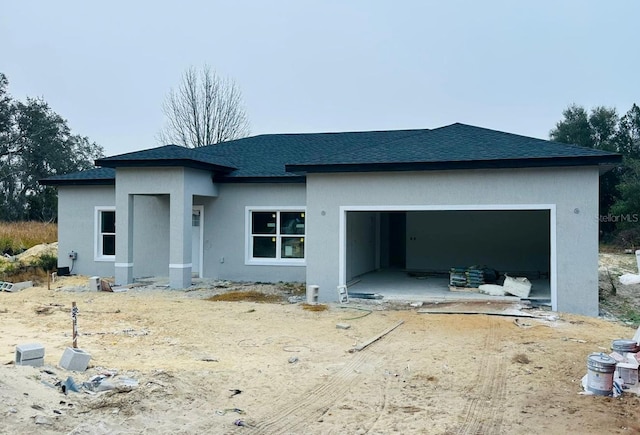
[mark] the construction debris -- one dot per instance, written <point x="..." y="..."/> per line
<point x="366" y="295"/>
<point x="374" y="339"/>
<point x="486" y="313"/>
<point x="105" y="286"/>
<point x="14" y="287"/>
<point x="471" y="277"/>
<point x="615" y="373"/>
<point x="492" y="289"/>
<point x="520" y="287"/>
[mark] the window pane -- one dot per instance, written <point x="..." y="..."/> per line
<point x="264" y="247"/>
<point x="291" y="223"/>
<point x="108" y="245"/>
<point x="195" y="219"/>
<point x="292" y="247"/>
<point x="263" y="222"/>
<point x="108" y="222"/>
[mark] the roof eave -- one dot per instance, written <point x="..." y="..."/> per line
<point x="194" y="164"/>
<point x="291" y="179"/>
<point x="610" y="161"/>
<point x="79" y="182"/>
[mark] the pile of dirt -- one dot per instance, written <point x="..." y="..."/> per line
<point x="29" y="257"/>
<point x="34" y="253"/>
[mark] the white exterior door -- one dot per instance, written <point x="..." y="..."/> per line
<point x="196" y="240"/>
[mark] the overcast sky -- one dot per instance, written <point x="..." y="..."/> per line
<point x="317" y="66"/>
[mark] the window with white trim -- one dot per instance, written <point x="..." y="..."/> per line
<point x="105" y="233"/>
<point x="276" y="235"/>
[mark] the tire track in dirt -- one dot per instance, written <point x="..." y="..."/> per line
<point x="294" y="415"/>
<point x="383" y="408"/>
<point x="485" y="410"/>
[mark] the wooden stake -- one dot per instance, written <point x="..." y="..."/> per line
<point x="74" y="316"/>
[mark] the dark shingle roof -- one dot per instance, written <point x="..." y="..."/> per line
<point x="266" y="155"/>
<point x="97" y="176"/>
<point x="457" y="146"/>
<point x="168" y="155"/>
<point x="287" y="157"/>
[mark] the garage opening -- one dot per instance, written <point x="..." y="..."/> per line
<point x="408" y="254"/>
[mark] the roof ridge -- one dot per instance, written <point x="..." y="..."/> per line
<point x="385" y="143"/>
<point x="506" y="133"/>
<point x="321" y="133"/>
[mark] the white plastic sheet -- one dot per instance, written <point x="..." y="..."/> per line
<point x="629" y="278"/>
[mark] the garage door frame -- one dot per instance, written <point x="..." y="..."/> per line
<point x="342" y="233"/>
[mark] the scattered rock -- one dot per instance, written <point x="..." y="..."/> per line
<point x="293" y="359"/>
<point x="41" y="419"/>
<point x="343" y="326"/>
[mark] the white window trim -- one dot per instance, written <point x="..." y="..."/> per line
<point x="248" y="240"/>
<point x="97" y="242"/>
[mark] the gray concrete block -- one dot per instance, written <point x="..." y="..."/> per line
<point x="30" y="354"/>
<point x="76" y="360"/>
<point x="37" y="362"/>
<point x="21" y="285"/>
<point x="11" y="287"/>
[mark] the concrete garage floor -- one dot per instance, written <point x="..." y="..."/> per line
<point x="398" y="285"/>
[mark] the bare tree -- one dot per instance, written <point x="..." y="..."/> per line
<point x="204" y="110"/>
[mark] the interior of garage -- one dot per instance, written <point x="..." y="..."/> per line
<point x="409" y="254"/>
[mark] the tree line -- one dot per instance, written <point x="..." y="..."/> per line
<point x="604" y="129"/>
<point x="35" y="143"/>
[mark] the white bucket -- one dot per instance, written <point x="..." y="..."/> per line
<point x="312" y="294"/>
<point x="600" y="368"/>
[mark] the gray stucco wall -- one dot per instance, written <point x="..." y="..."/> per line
<point x="224" y="221"/>
<point x="361" y="243"/>
<point x="76" y="232"/>
<point x="151" y="235"/>
<point x="224" y="239"/>
<point x="573" y="192"/>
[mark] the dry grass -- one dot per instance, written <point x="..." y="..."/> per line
<point x="35" y="274"/>
<point x="246" y="296"/>
<point x="315" y="307"/>
<point x="16" y="237"/>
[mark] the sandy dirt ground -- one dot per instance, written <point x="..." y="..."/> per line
<point x="186" y="365"/>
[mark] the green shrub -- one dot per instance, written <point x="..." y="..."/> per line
<point x="47" y="262"/>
